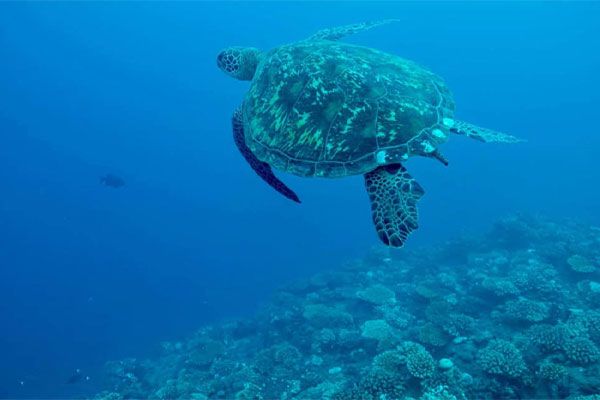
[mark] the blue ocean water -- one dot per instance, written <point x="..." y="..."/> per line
<point x="90" y="274"/>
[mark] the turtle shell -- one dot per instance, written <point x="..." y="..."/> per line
<point x="322" y="108"/>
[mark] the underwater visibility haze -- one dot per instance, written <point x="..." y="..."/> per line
<point x="168" y="231"/>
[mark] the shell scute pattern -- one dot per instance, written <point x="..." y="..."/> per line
<point x="311" y="118"/>
<point x="334" y="109"/>
<point x="353" y="133"/>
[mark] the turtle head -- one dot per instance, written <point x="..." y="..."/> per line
<point x="239" y="62"/>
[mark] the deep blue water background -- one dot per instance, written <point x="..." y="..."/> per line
<point x="89" y="274"/>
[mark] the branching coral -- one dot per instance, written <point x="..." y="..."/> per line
<point x="419" y="362"/>
<point x="438" y="393"/>
<point x="591" y="321"/>
<point x="458" y="324"/>
<point x="526" y="310"/>
<point x="581" y="350"/>
<point x="533" y="275"/>
<point x="500" y="287"/>
<point x="550" y="371"/>
<point x="501" y="357"/>
<point x="375" y="385"/>
<point x="549" y="338"/>
<point x="286" y="355"/>
<point x="379" y="384"/>
<point x="390" y="361"/>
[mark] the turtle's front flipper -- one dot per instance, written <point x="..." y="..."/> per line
<point x="394" y="195"/>
<point x="482" y="134"/>
<point x="261" y="168"/>
<point x="346" y="30"/>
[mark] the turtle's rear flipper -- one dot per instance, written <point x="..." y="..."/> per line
<point x="482" y="134"/>
<point x="394" y="195"/>
<point x="261" y="168"/>
<point x="346" y="30"/>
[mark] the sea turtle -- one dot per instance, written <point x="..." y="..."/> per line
<point x="323" y="108"/>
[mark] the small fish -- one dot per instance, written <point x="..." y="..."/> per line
<point x="76" y="377"/>
<point x="112" y="180"/>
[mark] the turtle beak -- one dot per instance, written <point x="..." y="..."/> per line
<point x="220" y="60"/>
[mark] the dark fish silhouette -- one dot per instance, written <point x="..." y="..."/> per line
<point x="113" y="181"/>
<point x="76" y="377"/>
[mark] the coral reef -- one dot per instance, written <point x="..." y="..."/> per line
<point x="419" y="362"/>
<point x="377" y="294"/>
<point x="582" y="350"/>
<point x="579" y="263"/>
<point x="501" y="357"/>
<point x="377" y="329"/>
<point x="510" y="314"/>
<point x="526" y="310"/>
